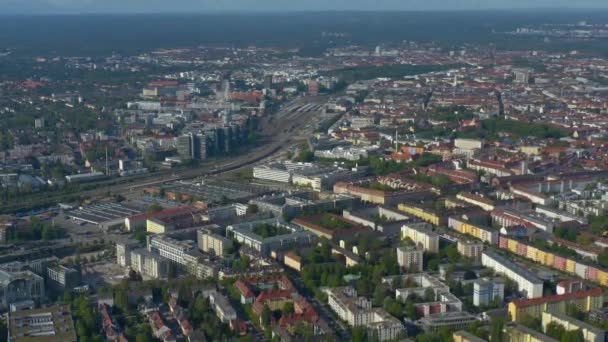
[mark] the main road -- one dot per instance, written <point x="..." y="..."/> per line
<point x="278" y="131"/>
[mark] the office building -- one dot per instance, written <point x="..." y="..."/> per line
<point x="149" y="264"/>
<point x="123" y="252"/>
<point x="63" y="278"/>
<point x="451" y="320"/>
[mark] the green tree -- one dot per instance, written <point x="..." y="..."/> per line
<point x="555" y="330"/>
<point x="572" y="336"/>
<point x="359" y="334"/>
<point x="531" y="322"/>
<point x="288" y="308"/>
<point x="266" y="315"/>
<point x="496" y="330"/>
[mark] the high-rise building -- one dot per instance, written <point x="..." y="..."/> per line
<point x="268" y="81"/>
<point x="410" y="258"/>
<point x="313" y="88"/>
<point x="487" y="291"/>
<point x="192" y="146"/>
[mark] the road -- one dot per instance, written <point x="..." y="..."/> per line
<point x="277" y="133"/>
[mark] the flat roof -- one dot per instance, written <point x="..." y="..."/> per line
<point x="52" y="324"/>
<point x="102" y="212"/>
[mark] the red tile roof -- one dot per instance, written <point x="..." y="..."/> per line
<point x="557" y="298"/>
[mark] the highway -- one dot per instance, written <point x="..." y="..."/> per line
<point x="277" y="133"/>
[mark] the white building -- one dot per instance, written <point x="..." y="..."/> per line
<point x="422" y="235"/>
<point x="527" y="282"/>
<point x="486" y="291"/>
<point x="358" y="311"/>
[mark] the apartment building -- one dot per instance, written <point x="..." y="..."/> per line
<point x="410" y="258"/>
<point x="486" y="291"/>
<point x="527" y="282"/>
<point x="590" y="332"/>
<point x="358" y="311"/>
<point x="470" y="249"/>
<point x="422" y="236"/>
<point x="584" y="300"/>
<point x="213" y="243"/>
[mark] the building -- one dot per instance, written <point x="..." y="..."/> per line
<point x="123" y="252"/>
<point x="521" y="333"/>
<point x="192" y="146"/>
<point x="213" y="243"/>
<point x="358" y="311"/>
<point x="51" y="324"/>
<point x="149" y="264"/>
<point x="522" y="75"/>
<point x="222" y="307"/>
<point x="470" y="249"/>
<point x="485" y="291"/>
<point x="282" y="235"/>
<point x="425" y="214"/>
<point x="480" y="201"/>
<point x="139" y="221"/>
<point x="450" y="320"/>
<point x="20" y="286"/>
<point x="424" y="285"/>
<point x="527" y="282"/>
<point x="463" y="225"/>
<point x="584" y="300"/>
<point x="313" y="88"/>
<point x="410" y="258"/>
<point x="422" y="236"/>
<point x="463" y="336"/>
<point x="62" y="278"/>
<point x="590" y="332"/>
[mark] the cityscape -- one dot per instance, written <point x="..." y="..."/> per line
<point x="314" y="179"/>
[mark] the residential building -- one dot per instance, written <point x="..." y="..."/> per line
<point x="470" y="249"/>
<point x="584" y="300"/>
<point x="521" y="333"/>
<point x="410" y="258"/>
<point x="463" y="336"/>
<point x="486" y="291"/>
<point x="465" y="226"/>
<point x="527" y="282"/>
<point x="422" y="235"/>
<point x="358" y="311"/>
<point x="590" y="332"/>
<point x="287" y="235"/>
<point x="222" y="307"/>
<point x="51" y="324"/>
<point x="213" y="243"/>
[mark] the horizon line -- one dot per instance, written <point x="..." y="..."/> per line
<point x="310" y="11"/>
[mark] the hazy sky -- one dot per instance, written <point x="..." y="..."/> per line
<point x="133" y="6"/>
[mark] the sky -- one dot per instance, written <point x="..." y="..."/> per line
<point x="189" y="6"/>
